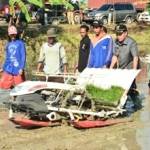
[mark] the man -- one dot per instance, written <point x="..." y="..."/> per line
<point x="101" y="48"/>
<point x="84" y="48"/>
<point x="70" y="12"/>
<point x="125" y="50"/>
<point x="52" y="55"/>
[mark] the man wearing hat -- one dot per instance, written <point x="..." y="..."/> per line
<point x="126" y="54"/>
<point x="125" y="50"/>
<point x="101" y="48"/>
<point x="52" y="55"/>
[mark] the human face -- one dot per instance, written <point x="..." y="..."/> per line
<point x="83" y="32"/>
<point x="121" y="37"/>
<point x="51" y="40"/>
<point x="97" y="30"/>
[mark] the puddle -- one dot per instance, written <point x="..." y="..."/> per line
<point x="143" y="133"/>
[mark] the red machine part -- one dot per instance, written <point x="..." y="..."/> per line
<point x="97" y="123"/>
<point x="27" y="123"/>
<point x="86" y="124"/>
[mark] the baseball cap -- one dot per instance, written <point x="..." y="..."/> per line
<point x="120" y="29"/>
<point x="12" y="30"/>
<point x="97" y="23"/>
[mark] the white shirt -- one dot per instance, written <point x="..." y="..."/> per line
<point x="53" y="56"/>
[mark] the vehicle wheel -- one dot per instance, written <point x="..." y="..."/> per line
<point x="24" y="24"/>
<point x="129" y="20"/>
<point x="137" y="16"/>
<point x="55" y="22"/>
<point x="77" y="19"/>
<point x="105" y="20"/>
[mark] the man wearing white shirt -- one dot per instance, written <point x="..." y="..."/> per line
<point x="52" y="55"/>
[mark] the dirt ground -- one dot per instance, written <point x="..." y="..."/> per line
<point x="117" y="137"/>
<point x="134" y="135"/>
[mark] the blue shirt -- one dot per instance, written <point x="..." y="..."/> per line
<point x="15" y="57"/>
<point x="101" y="53"/>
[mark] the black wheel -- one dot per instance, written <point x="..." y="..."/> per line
<point x="129" y="20"/>
<point x="105" y="20"/>
<point x="55" y="22"/>
<point x="77" y="19"/>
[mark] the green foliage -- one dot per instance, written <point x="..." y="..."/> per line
<point x="22" y="6"/>
<point x="37" y="2"/>
<point x="111" y="95"/>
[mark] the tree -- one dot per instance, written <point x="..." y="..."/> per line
<point x="22" y="7"/>
<point x="39" y="3"/>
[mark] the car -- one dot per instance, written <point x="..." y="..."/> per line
<point x="117" y="12"/>
<point x="55" y="14"/>
<point x="144" y="17"/>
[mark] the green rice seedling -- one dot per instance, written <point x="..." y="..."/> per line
<point x="109" y="96"/>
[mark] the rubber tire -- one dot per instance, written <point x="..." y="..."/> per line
<point x="77" y="19"/>
<point x="105" y="20"/>
<point x="55" y="22"/>
<point x="129" y="20"/>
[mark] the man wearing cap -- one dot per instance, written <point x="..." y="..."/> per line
<point x="13" y="68"/>
<point x="101" y="48"/>
<point x="126" y="54"/>
<point x="125" y="50"/>
<point x="52" y="55"/>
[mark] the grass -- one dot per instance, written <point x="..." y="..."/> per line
<point x="108" y="96"/>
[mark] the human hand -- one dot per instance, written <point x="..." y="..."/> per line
<point x="104" y="66"/>
<point x="20" y="71"/>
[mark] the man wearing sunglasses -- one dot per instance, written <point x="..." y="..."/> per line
<point x="126" y="54"/>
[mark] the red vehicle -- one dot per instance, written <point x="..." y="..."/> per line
<point x="4" y="10"/>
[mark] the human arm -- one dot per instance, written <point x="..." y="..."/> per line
<point x="63" y="59"/>
<point x="134" y="53"/>
<point x="109" y="53"/>
<point x="41" y="59"/>
<point x="91" y="58"/>
<point x="114" y="61"/>
<point x="22" y="51"/>
<point x="135" y="62"/>
<point x="65" y="68"/>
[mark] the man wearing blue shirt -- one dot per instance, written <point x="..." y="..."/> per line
<point x="101" y="48"/>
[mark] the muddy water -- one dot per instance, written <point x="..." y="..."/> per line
<point x="134" y="135"/>
<point x="143" y="133"/>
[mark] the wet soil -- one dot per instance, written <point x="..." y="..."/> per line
<point x="117" y="137"/>
<point x="134" y="135"/>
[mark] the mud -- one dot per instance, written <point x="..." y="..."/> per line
<point x="118" y="137"/>
<point x="133" y="135"/>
